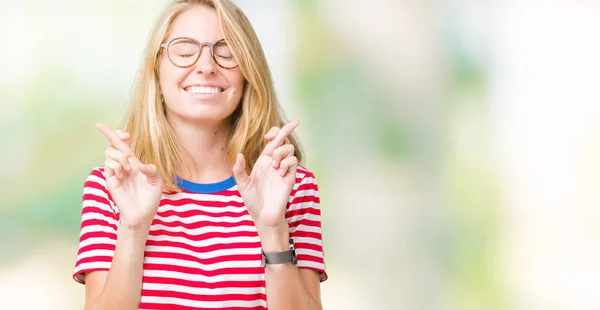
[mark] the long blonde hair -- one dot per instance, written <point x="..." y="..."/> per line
<point x="152" y="139"/>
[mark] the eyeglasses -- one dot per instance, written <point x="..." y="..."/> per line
<point x="185" y="52"/>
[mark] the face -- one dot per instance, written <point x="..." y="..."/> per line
<point x="204" y="91"/>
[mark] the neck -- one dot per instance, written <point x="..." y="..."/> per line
<point x="203" y="149"/>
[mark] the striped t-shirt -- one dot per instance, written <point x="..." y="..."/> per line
<point x="203" y="251"/>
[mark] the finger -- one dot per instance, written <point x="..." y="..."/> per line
<point x="115" y="167"/>
<point x="125" y="136"/>
<point x="134" y="164"/>
<point x="280" y="137"/>
<point x="272" y="133"/>
<point x="280" y="153"/>
<point x="112" y="153"/>
<point x="114" y="139"/>
<point x="288" y="165"/>
<point x="239" y="172"/>
<point x="151" y="173"/>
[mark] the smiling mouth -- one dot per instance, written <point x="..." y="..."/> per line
<point x="203" y="90"/>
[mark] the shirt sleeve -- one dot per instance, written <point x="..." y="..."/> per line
<point x="99" y="221"/>
<point x="304" y="218"/>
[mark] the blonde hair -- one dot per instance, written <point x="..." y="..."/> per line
<point x="152" y="139"/>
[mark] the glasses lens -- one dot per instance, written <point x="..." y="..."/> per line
<point x="223" y="55"/>
<point x="183" y="52"/>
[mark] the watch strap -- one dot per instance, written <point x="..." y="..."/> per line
<point x="284" y="257"/>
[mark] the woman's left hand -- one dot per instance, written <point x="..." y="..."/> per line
<point x="267" y="189"/>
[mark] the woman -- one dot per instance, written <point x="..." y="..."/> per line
<point x="201" y="202"/>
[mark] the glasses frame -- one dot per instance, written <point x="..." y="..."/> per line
<point x="200" y="45"/>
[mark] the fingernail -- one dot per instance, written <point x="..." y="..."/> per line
<point x="274" y="164"/>
<point x="127" y="167"/>
<point x="281" y="172"/>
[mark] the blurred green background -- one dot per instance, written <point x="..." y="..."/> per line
<point x="455" y="143"/>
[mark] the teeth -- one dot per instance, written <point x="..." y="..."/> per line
<point x="202" y="90"/>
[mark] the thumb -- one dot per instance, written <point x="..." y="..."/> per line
<point x="239" y="172"/>
<point x="151" y="173"/>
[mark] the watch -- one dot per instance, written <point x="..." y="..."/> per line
<point x="284" y="257"/>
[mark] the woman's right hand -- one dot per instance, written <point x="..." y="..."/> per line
<point x="136" y="188"/>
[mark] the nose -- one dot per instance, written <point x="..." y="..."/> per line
<point x="205" y="63"/>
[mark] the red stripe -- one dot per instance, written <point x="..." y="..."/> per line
<point x="204" y="203"/>
<point x="306" y="222"/>
<point x="306" y="187"/>
<point x="96" y="246"/>
<point x="311" y="258"/>
<point x="205" y="261"/>
<point x="201" y="224"/>
<point x="97" y="234"/>
<point x="195" y="212"/>
<point x="302" y="211"/>
<point x="204" y="236"/>
<point x="306" y="234"/>
<point x="96" y="198"/>
<point x="206" y="273"/>
<point x="205" y="297"/>
<point x="95" y="259"/>
<point x="302" y="199"/>
<point x="201" y="284"/>
<point x="308" y="246"/>
<point x="155" y="306"/>
<point x="92" y="222"/>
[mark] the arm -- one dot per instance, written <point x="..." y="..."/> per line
<point x="112" y="243"/>
<point x="279" y="212"/>
<point x="121" y="287"/>
<point x="289" y="287"/>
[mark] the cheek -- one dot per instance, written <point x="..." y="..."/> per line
<point x="168" y="76"/>
<point x="237" y="81"/>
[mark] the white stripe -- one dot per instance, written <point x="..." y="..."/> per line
<point x="306" y="193"/>
<point x="206" y="267"/>
<point x="95" y="215"/>
<point x="94" y="253"/>
<point x="205" y="255"/>
<point x="304" y="205"/>
<point x="92" y="265"/>
<point x="306" y="216"/>
<point x="204" y="304"/>
<point x="310" y="264"/>
<point x="97" y="228"/>
<point x="307" y="228"/>
<point x="205" y="229"/>
<point x="102" y="240"/>
<point x="207" y="242"/>
<point x="96" y="179"/>
<point x="309" y="252"/>
<point x="202" y="278"/>
<point x="195" y="206"/>
<point x="314" y="241"/>
<point x="95" y="191"/>
<point x="200" y="218"/>
<point x="203" y="291"/>
<point x="203" y="197"/>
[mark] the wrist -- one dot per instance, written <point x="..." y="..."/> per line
<point x="274" y="239"/>
<point x="135" y="231"/>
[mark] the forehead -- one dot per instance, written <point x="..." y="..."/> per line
<point x="198" y="22"/>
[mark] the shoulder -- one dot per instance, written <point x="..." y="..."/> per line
<point x="305" y="181"/>
<point x="302" y="173"/>
<point x="96" y="179"/>
<point x="95" y="191"/>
